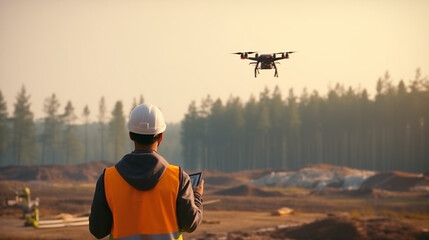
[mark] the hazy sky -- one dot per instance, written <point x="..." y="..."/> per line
<point x="175" y="51"/>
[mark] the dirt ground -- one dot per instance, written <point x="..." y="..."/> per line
<point x="216" y="223"/>
<point x="234" y="209"/>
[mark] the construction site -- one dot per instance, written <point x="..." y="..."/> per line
<point x="313" y="202"/>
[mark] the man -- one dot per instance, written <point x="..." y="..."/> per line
<point x="142" y="196"/>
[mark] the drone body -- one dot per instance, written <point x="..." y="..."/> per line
<point x="264" y="61"/>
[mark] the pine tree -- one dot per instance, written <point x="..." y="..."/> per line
<point x="85" y="115"/>
<point x="234" y="127"/>
<point x="190" y="136"/>
<point x="293" y="129"/>
<point x="251" y="113"/>
<point x="102" y="124"/>
<point x="70" y="142"/>
<point x="278" y="129"/>
<point x="50" y="137"/>
<point x="117" y="131"/>
<point x="4" y="130"/>
<point x="216" y="133"/>
<point x="23" y="130"/>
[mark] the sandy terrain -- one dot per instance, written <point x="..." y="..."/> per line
<point x="215" y="223"/>
<point x="240" y="210"/>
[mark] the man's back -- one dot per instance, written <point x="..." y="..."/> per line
<point x="146" y="208"/>
<point x="143" y="196"/>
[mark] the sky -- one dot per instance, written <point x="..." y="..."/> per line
<point x="175" y="52"/>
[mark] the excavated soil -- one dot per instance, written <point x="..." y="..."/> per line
<point x="53" y="173"/>
<point x="386" y="208"/>
<point x="397" y="181"/>
<point x="249" y="191"/>
<point x="340" y="228"/>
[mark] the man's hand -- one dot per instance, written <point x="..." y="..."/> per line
<point x="200" y="187"/>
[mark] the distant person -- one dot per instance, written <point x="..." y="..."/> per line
<point x="143" y="196"/>
<point x="24" y="199"/>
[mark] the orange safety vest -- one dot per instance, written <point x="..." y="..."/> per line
<point x="143" y="215"/>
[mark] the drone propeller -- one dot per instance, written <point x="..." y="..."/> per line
<point x="244" y="53"/>
<point x="285" y="52"/>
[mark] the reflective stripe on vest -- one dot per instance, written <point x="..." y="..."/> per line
<point x="143" y="215"/>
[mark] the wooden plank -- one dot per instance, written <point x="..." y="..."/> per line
<point x="67" y="220"/>
<point x="64" y="224"/>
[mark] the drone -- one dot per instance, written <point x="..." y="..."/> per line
<point x="264" y="61"/>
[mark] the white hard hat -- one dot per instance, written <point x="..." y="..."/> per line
<point x="146" y="119"/>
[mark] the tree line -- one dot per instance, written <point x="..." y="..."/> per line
<point x="346" y="127"/>
<point x="57" y="139"/>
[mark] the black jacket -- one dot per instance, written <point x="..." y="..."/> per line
<point x="142" y="170"/>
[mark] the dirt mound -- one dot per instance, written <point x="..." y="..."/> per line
<point x="230" y="179"/>
<point x="362" y="193"/>
<point x="329" y="228"/>
<point x="319" y="177"/>
<point x="316" y="177"/>
<point x="397" y="181"/>
<point x="221" y="180"/>
<point x="61" y="172"/>
<point x="248" y="190"/>
<point x="338" y="228"/>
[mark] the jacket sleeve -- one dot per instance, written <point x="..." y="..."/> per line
<point x="189" y="205"/>
<point x="100" y="219"/>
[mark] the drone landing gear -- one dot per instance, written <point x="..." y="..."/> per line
<point x="256" y="72"/>
<point x="276" y="74"/>
<point x="256" y="69"/>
